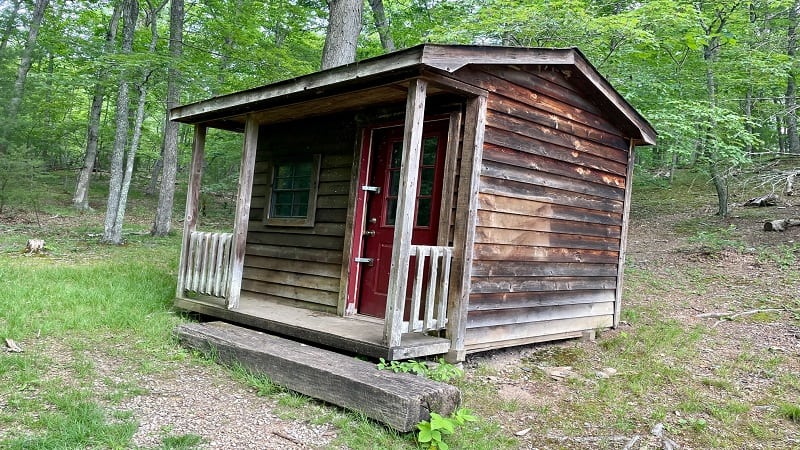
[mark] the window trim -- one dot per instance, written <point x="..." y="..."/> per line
<point x="307" y="221"/>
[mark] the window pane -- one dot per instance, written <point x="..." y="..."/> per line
<point x="426" y="182"/>
<point x="282" y="210"/>
<point x="300" y="197"/>
<point x="283" y="171"/>
<point x="397" y="155"/>
<point x="302" y="169"/>
<point x="394" y="183"/>
<point x="282" y="198"/>
<point x="291" y="189"/>
<point x="429" y="151"/>
<point x="391" y="211"/>
<point x="300" y="210"/>
<point x="302" y="182"/>
<point x="424" y="212"/>
<point x="283" y="183"/>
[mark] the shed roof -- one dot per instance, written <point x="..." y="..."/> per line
<point x="376" y="80"/>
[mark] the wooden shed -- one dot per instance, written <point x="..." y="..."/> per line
<point x="437" y="200"/>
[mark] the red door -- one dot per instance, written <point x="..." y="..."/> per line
<point x="381" y="208"/>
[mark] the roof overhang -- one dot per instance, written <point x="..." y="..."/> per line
<point x="384" y="79"/>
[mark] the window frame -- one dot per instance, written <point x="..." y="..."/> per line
<point x="309" y="219"/>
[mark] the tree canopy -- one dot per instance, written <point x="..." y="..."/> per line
<point x="715" y="77"/>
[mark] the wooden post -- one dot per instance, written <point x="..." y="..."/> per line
<point x="404" y="223"/>
<point x="623" y="240"/>
<point x="464" y="235"/>
<point x="192" y="203"/>
<point x="243" y="209"/>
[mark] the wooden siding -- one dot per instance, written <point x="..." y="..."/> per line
<point x="550" y="210"/>
<point x="302" y="266"/>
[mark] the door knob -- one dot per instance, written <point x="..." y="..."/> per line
<point x="369" y="233"/>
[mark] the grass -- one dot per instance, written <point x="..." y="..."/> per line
<point x="84" y="303"/>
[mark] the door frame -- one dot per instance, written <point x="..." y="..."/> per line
<point x="452" y="149"/>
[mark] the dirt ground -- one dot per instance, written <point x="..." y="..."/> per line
<point x="681" y="266"/>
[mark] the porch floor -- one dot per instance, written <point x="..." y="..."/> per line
<point x="358" y="335"/>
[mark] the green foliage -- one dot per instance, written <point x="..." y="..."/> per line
<point x="717" y="240"/>
<point x="441" y="371"/>
<point x="432" y="432"/>
<point x="789" y="411"/>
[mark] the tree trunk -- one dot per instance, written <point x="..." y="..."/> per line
<point x="126" y="181"/>
<point x="793" y="139"/>
<point x="130" y="15"/>
<point x="382" y="25"/>
<point x="344" y="26"/>
<point x="27" y="58"/>
<point x="155" y="173"/>
<point x="8" y="26"/>
<point x="81" y="198"/>
<point x="137" y="127"/>
<point x="166" y="195"/>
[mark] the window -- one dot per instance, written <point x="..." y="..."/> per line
<point x="292" y="193"/>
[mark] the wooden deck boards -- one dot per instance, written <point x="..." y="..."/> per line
<point x="358" y="335"/>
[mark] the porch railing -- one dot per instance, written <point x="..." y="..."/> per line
<point x="208" y="264"/>
<point x="431" y="275"/>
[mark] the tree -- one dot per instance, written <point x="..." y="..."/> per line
<point x="81" y="198"/>
<point x="166" y="195"/>
<point x="24" y="66"/>
<point x="791" y="89"/>
<point x="382" y="25"/>
<point x="130" y="15"/>
<point x="341" y="39"/>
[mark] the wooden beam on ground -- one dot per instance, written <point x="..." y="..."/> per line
<point x="397" y="399"/>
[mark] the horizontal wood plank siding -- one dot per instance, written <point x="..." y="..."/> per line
<point x="550" y="208"/>
<point x="302" y="265"/>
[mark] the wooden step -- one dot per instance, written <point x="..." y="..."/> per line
<point x="397" y="399"/>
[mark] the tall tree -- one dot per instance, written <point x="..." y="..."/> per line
<point x="130" y="15"/>
<point x="153" y="11"/>
<point x="24" y="66"/>
<point x="166" y="195"/>
<point x="791" y="87"/>
<point x="8" y="23"/>
<point x="382" y="25"/>
<point x="81" y="198"/>
<point x="341" y="39"/>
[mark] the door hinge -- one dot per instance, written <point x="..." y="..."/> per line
<point x="368" y="261"/>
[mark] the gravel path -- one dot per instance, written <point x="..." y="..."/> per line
<point x="201" y="401"/>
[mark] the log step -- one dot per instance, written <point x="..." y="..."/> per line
<point x="399" y="400"/>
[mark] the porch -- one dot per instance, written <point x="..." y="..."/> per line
<point x="360" y="335"/>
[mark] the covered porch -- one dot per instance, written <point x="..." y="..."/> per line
<point x="427" y="299"/>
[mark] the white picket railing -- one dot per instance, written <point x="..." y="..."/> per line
<point x="437" y="281"/>
<point x="208" y="264"/>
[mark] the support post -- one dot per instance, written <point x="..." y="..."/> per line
<point x="464" y="234"/>
<point x="242" y="217"/>
<point x="192" y="203"/>
<point x="404" y="223"/>
<point x="623" y="240"/>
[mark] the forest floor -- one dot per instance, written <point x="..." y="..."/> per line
<point x="670" y="375"/>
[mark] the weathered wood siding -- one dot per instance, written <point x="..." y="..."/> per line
<point x="302" y="265"/>
<point x="550" y="210"/>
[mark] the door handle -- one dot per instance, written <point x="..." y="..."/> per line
<point x="369" y="233"/>
<point x="369" y="261"/>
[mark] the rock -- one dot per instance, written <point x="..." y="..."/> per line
<point x="521" y="433"/>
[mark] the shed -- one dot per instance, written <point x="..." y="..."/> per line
<point x="437" y="200"/>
